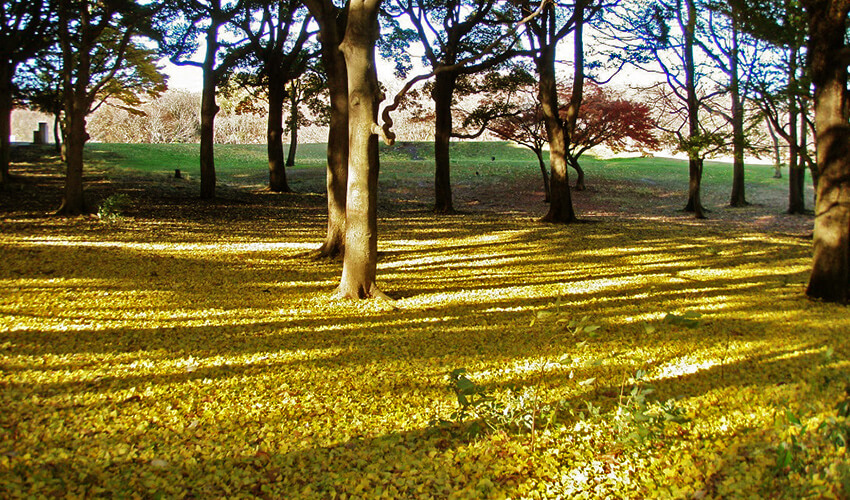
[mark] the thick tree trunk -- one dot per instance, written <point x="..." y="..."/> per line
<point x="444" y="86"/>
<point x="209" y="109"/>
<point x="274" y="134"/>
<point x="560" y="202"/>
<point x="293" y="129"/>
<point x="830" y="279"/>
<point x="360" y="262"/>
<point x="545" y="172"/>
<point x="6" y="71"/>
<point x="73" y="200"/>
<point x="332" y="21"/>
<point x="738" y="198"/>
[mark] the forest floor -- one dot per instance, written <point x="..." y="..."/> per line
<point x="186" y="348"/>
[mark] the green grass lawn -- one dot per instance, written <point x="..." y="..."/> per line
<point x="413" y="161"/>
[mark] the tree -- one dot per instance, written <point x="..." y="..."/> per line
<point x="192" y="21"/>
<point x="547" y="25"/>
<point x="828" y="61"/>
<point x="460" y="38"/>
<point x="332" y="22"/>
<point x="603" y="119"/>
<point x="277" y="43"/>
<point x="361" y="234"/>
<point x="606" y="119"/>
<point x="96" y="40"/>
<point x="25" y="28"/>
<point x="660" y="37"/>
<point x="781" y="88"/>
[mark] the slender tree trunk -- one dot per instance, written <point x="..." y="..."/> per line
<point x="293" y="127"/>
<point x="579" y="172"/>
<point x="209" y="109"/>
<point x="57" y="133"/>
<point x="6" y="71"/>
<point x="360" y="262"/>
<point x="796" y="172"/>
<point x="830" y="279"/>
<point x="777" y="154"/>
<point x="274" y="133"/>
<point x="694" y="159"/>
<point x="444" y="85"/>
<point x="545" y="171"/>
<point x="332" y="22"/>
<point x="738" y="198"/>
<point x="560" y="202"/>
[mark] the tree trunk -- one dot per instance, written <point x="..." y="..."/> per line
<point x="331" y="22"/>
<point x="830" y="279"/>
<point x="274" y="133"/>
<point x="209" y="109"/>
<point x="73" y="201"/>
<point x="777" y="154"/>
<point x="444" y="85"/>
<point x="796" y="172"/>
<point x="543" y="170"/>
<point x="560" y="203"/>
<point x="293" y="127"/>
<point x="579" y="171"/>
<point x="76" y="68"/>
<point x="6" y="71"/>
<point x="361" y="234"/>
<point x="738" y="198"/>
<point x="694" y="159"/>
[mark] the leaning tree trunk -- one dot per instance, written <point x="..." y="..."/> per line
<point x="209" y="109"/>
<point x="830" y="279"/>
<point x="560" y="201"/>
<point x="444" y="85"/>
<point x="5" y="121"/>
<point x="360" y="262"/>
<point x="579" y="172"/>
<point x="274" y="134"/>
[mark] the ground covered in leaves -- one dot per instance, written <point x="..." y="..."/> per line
<point x="190" y="349"/>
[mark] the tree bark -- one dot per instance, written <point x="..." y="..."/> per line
<point x="543" y="170"/>
<point x="360" y="262"/>
<point x="560" y="202"/>
<point x="738" y="197"/>
<point x="274" y="134"/>
<point x="209" y="109"/>
<point x="796" y="172"/>
<point x="6" y="71"/>
<point x="76" y="70"/>
<point x="830" y="278"/>
<point x="293" y="128"/>
<point x="332" y="23"/>
<point x="579" y="172"/>
<point x="444" y="86"/>
<point x="694" y="159"/>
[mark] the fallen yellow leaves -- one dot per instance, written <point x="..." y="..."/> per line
<point x="176" y="364"/>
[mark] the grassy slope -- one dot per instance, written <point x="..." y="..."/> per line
<point x="189" y="350"/>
